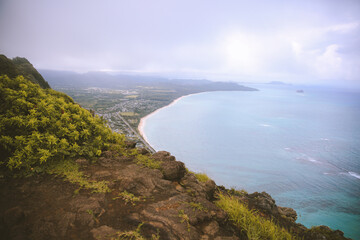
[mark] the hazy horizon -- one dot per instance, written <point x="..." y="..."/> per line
<point x="303" y="42"/>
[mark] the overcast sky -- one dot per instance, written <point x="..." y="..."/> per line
<point x="294" y="41"/>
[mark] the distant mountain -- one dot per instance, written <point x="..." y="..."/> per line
<point x="60" y="79"/>
<point x="21" y="66"/>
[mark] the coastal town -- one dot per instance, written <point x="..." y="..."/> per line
<point x="123" y="106"/>
<point x="118" y="124"/>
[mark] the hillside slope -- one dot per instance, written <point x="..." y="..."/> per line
<point x="21" y="66"/>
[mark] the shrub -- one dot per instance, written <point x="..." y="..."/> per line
<point x="41" y="125"/>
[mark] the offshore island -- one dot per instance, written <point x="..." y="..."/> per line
<point x="74" y="167"/>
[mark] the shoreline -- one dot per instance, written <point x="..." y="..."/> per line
<point x="143" y="119"/>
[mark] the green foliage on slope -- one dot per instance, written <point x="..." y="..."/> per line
<point x="70" y="171"/>
<point x="253" y="225"/>
<point x="42" y="125"/>
<point x="21" y="66"/>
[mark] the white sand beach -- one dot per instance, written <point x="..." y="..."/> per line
<point x="143" y="120"/>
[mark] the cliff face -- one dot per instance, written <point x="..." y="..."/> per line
<point x="21" y="66"/>
<point x="142" y="203"/>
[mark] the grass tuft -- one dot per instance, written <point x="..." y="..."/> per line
<point x="184" y="219"/>
<point x="129" y="198"/>
<point x="70" y="171"/>
<point x="202" y="177"/>
<point x="255" y="226"/>
<point x="134" y="235"/>
<point x="197" y="206"/>
<point x="147" y="162"/>
<point x="236" y="192"/>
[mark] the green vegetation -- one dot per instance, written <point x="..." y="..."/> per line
<point x="197" y="206"/>
<point x="202" y="177"/>
<point x="91" y="213"/>
<point x="239" y="193"/>
<point x="21" y="66"/>
<point x="147" y="162"/>
<point x="253" y="225"/>
<point x="40" y="127"/>
<point x="134" y="235"/>
<point x="70" y="171"/>
<point x="129" y="198"/>
<point x="184" y="219"/>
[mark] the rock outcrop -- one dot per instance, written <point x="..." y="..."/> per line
<point x="167" y="203"/>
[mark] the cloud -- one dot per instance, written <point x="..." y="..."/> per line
<point x="343" y="28"/>
<point x="308" y="41"/>
<point x="328" y="53"/>
<point x="242" y="53"/>
<point x="329" y="64"/>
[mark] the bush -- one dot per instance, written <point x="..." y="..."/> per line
<point x="41" y="125"/>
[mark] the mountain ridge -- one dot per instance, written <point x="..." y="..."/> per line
<point x="21" y="66"/>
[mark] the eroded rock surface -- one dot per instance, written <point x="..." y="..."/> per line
<point x="169" y="203"/>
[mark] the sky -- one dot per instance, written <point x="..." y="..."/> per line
<point x="314" y="42"/>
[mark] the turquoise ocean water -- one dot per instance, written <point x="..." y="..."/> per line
<point x="302" y="148"/>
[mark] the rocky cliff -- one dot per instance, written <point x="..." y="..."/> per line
<point x="143" y="203"/>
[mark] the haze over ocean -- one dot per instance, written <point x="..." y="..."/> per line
<point x="302" y="148"/>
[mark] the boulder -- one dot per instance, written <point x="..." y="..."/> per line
<point x="263" y="201"/>
<point x="142" y="181"/>
<point x="173" y="170"/>
<point x="204" y="189"/>
<point x="163" y="156"/>
<point x="288" y="213"/>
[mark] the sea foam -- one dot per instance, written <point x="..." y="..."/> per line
<point x="353" y="174"/>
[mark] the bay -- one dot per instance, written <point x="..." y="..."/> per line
<point x="302" y="148"/>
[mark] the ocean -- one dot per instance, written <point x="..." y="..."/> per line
<point x="302" y="148"/>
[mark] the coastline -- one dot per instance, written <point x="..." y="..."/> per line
<point x="143" y="120"/>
